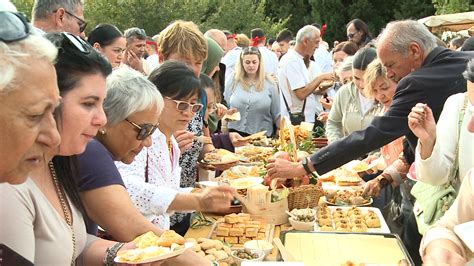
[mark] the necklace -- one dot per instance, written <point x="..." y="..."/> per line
<point x="64" y="204"/>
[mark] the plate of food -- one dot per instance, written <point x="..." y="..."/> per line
<point x="350" y="219"/>
<point x="254" y="154"/>
<point x="220" y="157"/>
<point x="241" y="171"/>
<point x="151" y="247"/>
<point x="347" y="198"/>
<point x="246" y="182"/>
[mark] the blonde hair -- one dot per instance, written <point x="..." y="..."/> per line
<point x="240" y="74"/>
<point x="183" y="38"/>
<point x="374" y="70"/>
<point x="242" y="40"/>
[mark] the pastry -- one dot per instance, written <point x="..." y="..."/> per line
<point x="324" y="220"/>
<point x="359" y="228"/>
<point x="342" y="222"/>
<point x="343" y="228"/>
<point x="251" y="232"/>
<point x="261" y="236"/>
<point x="236" y="232"/>
<point x="326" y="228"/>
<point x="373" y="222"/>
<point x="231" y="218"/>
<point x="231" y="239"/>
<point x="223" y="231"/>
<point x="169" y="237"/>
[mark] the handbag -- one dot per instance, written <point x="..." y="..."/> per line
<point x="297" y="117"/>
<point x="432" y="202"/>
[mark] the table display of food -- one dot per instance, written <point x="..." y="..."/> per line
<point x="311" y="215"/>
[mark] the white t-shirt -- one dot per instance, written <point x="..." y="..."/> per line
<point x="270" y="61"/>
<point x="293" y="75"/>
<point x="229" y="60"/>
<point x="365" y="103"/>
<point x="323" y="59"/>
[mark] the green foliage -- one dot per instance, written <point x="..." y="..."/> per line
<point x="24" y="6"/>
<point x="450" y="6"/>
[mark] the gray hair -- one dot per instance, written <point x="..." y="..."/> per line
<point x="128" y="92"/>
<point x="15" y="56"/>
<point x="346" y="65"/>
<point x="134" y="33"/>
<point x="469" y="72"/>
<point x="307" y="32"/>
<point x="43" y="8"/>
<point x="401" y="33"/>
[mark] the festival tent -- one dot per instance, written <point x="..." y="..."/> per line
<point x="450" y="22"/>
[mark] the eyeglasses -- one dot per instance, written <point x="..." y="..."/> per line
<point x="144" y="130"/>
<point x="184" y="106"/>
<point x="14" y="27"/>
<point x="75" y="41"/>
<point x="80" y="22"/>
<point x="351" y="35"/>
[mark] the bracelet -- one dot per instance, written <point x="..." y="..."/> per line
<point x="111" y="252"/>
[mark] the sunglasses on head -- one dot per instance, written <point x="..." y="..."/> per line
<point x="184" y="106"/>
<point x="14" y="27"/>
<point x="144" y="130"/>
<point x="80" y="22"/>
<point x="80" y="44"/>
<point x="250" y="50"/>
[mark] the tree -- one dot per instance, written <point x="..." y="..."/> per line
<point x="450" y="6"/>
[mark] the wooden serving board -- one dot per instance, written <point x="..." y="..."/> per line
<point x="329" y="249"/>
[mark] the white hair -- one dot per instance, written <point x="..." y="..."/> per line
<point x="17" y="55"/>
<point x="401" y="33"/>
<point x="128" y="92"/>
<point x="307" y="32"/>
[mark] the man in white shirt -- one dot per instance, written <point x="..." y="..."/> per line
<point x="231" y="54"/>
<point x="293" y="76"/>
<point x="270" y="60"/>
<point x="59" y="16"/>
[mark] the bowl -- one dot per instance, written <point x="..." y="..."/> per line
<point x="238" y="261"/>
<point x="302" y="226"/>
<point x="262" y="245"/>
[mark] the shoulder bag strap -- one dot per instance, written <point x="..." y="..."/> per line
<point x="456" y="154"/>
<point x="286" y="103"/>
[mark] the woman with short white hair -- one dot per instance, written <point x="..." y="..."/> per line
<point x="28" y="96"/>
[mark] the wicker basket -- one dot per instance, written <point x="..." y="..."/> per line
<point x="306" y="196"/>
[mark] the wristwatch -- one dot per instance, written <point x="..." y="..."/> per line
<point x="305" y="162"/>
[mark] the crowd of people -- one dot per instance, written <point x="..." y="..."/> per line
<point x="102" y="131"/>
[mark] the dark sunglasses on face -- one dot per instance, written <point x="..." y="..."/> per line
<point x="80" y="44"/>
<point x="14" y="27"/>
<point x="144" y="130"/>
<point x="351" y="35"/>
<point x="184" y="106"/>
<point x="80" y="22"/>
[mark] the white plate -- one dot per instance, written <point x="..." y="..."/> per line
<point x="347" y="205"/>
<point x="383" y="225"/>
<point x="187" y="245"/>
<point x="246" y="182"/>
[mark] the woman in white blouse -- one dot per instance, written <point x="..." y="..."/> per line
<point x="153" y="179"/>
<point x="253" y="94"/>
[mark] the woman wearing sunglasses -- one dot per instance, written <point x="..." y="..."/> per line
<point x="27" y="126"/>
<point x="253" y="94"/>
<point x="153" y="179"/>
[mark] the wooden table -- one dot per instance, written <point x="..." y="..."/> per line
<point x="205" y="231"/>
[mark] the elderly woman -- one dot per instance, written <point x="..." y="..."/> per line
<point x="109" y="41"/>
<point x="153" y="179"/>
<point x="27" y="125"/>
<point x="132" y="106"/>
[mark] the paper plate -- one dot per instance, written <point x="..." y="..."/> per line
<point x="187" y="245"/>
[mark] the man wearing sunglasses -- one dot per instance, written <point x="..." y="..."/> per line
<point x="59" y="16"/>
